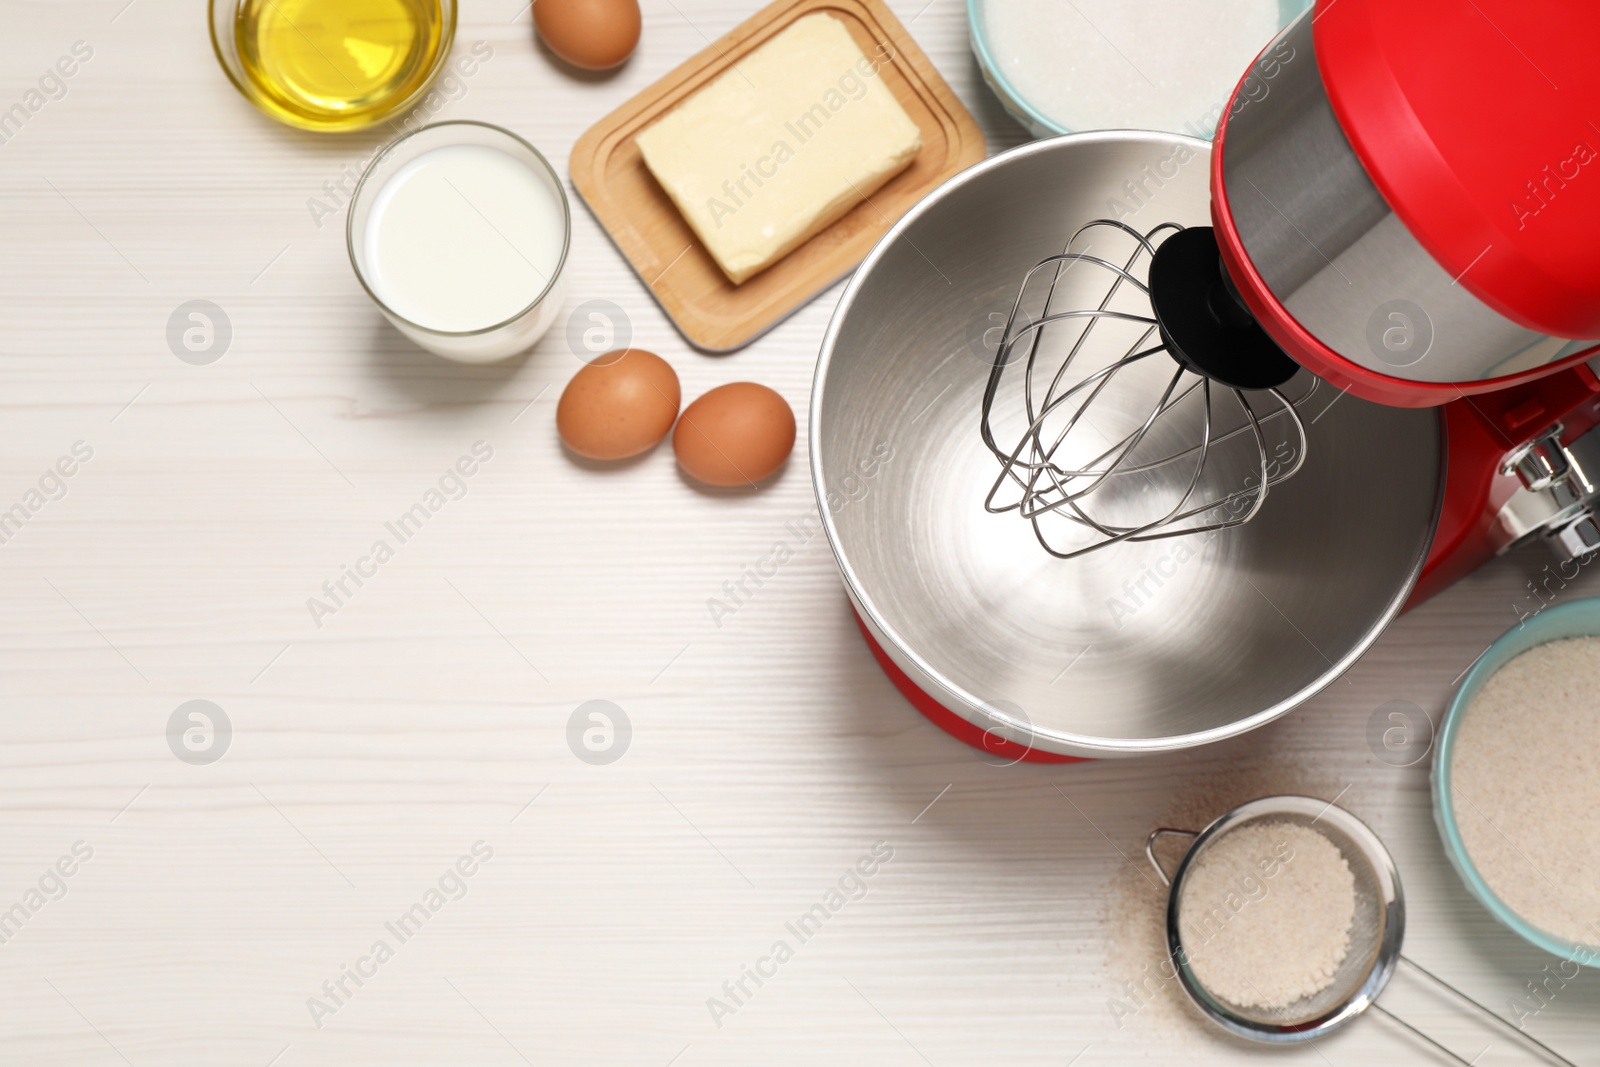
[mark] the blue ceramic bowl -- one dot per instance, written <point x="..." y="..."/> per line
<point x="1034" y="120"/>
<point x="1579" y="618"/>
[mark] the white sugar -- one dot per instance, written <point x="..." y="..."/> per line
<point x="1266" y="913"/>
<point x="1525" y="785"/>
<point x="1156" y="64"/>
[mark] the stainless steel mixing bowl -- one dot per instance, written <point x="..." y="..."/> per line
<point x="1137" y="647"/>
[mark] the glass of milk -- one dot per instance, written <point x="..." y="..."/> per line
<point x="459" y="232"/>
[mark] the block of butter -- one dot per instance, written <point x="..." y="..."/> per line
<point x="783" y="143"/>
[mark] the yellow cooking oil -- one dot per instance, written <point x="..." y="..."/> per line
<point x="338" y="64"/>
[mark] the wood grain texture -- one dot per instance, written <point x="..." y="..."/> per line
<point x="430" y="711"/>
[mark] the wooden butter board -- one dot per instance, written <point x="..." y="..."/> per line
<point x="711" y="312"/>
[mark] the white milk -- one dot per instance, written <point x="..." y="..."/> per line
<point x="462" y="238"/>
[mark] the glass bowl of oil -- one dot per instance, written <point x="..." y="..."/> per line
<point x="332" y="65"/>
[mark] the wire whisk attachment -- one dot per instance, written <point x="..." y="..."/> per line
<point x="1113" y="442"/>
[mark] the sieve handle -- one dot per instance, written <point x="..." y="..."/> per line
<point x="1527" y="1040"/>
<point x="1150" y="849"/>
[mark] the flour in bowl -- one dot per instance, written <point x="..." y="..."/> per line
<point x="1525" y="786"/>
<point x="1153" y="65"/>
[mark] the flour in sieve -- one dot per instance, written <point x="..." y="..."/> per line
<point x="1143" y="998"/>
<point x="1265" y="914"/>
<point x="1525" y="786"/>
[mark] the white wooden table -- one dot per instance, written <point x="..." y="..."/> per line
<point x="430" y="712"/>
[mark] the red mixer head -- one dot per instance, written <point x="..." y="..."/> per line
<point x="1406" y="196"/>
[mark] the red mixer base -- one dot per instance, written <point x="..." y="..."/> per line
<point x="949" y="721"/>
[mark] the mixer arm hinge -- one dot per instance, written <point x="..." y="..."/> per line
<point x="1558" y="498"/>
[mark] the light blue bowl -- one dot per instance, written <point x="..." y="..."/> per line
<point x="1579" y="618"/>
<point x="1034" y="120"/>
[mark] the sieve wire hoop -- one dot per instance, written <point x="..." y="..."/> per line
<point x="1375" y="937"/>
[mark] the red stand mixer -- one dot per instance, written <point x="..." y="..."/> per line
<point x="1445" y="155"/>
<point x="1405" y="203"/>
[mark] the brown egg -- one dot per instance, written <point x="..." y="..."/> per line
<point x="592" y="34"/>
<point x="736" y="434"/>
<point x="618" y="405"/>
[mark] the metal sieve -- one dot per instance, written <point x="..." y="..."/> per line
<point x="1375" y="932"/>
